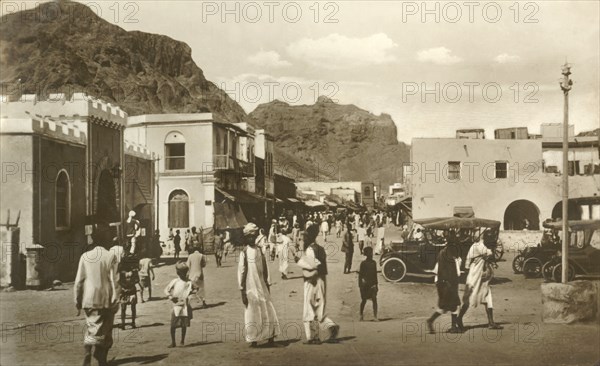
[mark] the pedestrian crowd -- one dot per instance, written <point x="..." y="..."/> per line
<point x="103" y="286"/>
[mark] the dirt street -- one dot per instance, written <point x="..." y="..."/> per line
<point x="40" y="327"/>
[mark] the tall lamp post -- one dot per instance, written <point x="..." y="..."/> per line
<point x="565" y="85"/>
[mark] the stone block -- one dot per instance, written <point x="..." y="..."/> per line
<point x="572" y="302"/>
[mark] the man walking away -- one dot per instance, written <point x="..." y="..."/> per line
<point x="196" y="262"/>
<point x="367" y="282"/>
<point x="218" y="248"/>
<point x="348" y="248"/>
<point x="96" y="291"/>
<point x="283" y="249"/>
<point x="480" y="262"/>
<point x="260" y="318"/>
<point x="314" y="265"/>
<point x="446" y="279"/>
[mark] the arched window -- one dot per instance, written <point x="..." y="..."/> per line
<point x="62" y="201"/>
<point x="174" y="151"/>
<point x="179" y="209"/>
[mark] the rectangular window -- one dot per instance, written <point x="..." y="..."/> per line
<point x="454" y="170"/>
<point x="501" y="170"/>
<point x="175" y="156"/>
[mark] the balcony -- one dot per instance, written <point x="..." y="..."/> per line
<point x="227" y="162"/>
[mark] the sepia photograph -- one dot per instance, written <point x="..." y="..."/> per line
<point x="300" y="183"/>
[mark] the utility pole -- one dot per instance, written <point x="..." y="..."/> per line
<point x="565" y="85"/>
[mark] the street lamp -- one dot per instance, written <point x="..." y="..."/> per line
<point x="565" y="85"/>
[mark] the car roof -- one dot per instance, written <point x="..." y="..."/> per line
<point x="442" y="223"/>
<point x="574" y="224"/>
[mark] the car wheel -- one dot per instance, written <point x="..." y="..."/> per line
<point x="532" y="268"/>
<point x="547" y="270"/>
<point x="517" y="264"/>
<point x="499" y="250"/>
<point x="394" y="270"/>
<point x="557" y="273"/>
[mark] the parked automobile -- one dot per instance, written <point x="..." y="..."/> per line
<point x="584" y="252"/>
<point x="418" y="253"/>
<point x="529" y="261"/>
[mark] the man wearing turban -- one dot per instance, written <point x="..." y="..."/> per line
<point x="260" y="318"/>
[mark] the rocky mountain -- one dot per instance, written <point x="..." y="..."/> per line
<point x="595" y="132"/>
<point x="65" y="47"/>
<point x="330" y="141"/>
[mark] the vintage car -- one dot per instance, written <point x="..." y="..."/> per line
<point x="584" y="251"/>
<point x="529" y="261"/>
<point x="419" y="253"/>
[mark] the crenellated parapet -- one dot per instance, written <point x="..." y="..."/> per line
<point x="58" y="106"/>
<point x="44" y="126"/>
<point x="135" y="149"/>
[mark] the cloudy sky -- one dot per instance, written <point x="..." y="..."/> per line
<point x="488" y="64"/>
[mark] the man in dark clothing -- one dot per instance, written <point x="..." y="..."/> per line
<point x="448" y="272"/>
<point x="348" y="248"/>
<point x="367" y="282"/>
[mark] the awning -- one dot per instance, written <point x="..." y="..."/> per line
<point x="331" y="204"/>
<point x="314" y="204"/>
<point x="293" y="200"/>
<point x="241" y="196"/>
<point x="230" y="215"/>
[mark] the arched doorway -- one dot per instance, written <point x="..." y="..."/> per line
<point x="179" y="209"/>
<point x="522" y="214"/>
<point x="573" y="210"/>
<point x="106" y="209"/>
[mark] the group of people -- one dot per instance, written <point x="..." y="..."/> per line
<point x="102" y="285"/>
<point x="480" y="263"/>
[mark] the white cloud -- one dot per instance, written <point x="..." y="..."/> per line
<point x="438" y="55"/>
<point x="336" y="51"/>
<point x="268" y="59"/>
<point x="506" y="58"/>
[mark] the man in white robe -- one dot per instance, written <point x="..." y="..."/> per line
<point x="283" y="249"/>
<point x="315" y="290"/>
<point x="477" y="285"/>
<point x="260" y="318"/>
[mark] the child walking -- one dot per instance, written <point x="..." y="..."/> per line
<point x="178" y="291"/>
<point x="128" y="296"/>
<point x="146" y="270"/>
<point x="367" y="282"/>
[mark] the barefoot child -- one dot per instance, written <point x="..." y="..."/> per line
<point x="146" y="270"/>
<point x="178" y="291"/>
<point x="128" y="296"/>
<point x="367" y="282"/>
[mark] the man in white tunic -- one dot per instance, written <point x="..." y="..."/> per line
<point x="315" y="289"/>
<point x="283" y="249"/>
<point x="260" y="318"/>
<point x="477" y="289"/>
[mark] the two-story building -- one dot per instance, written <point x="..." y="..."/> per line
<point x="65" y="165"/>
<point x="206" y="170"/>
<point x="504" y="179"/>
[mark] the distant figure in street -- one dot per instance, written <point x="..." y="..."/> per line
<point x="272" y="239"/>
<point x="187" y="240"/>
<point x="218" y="248"/>
<point x="128" y="296"/>
<point x="447" y="273"/>
<point x="177" y="244"/>
<point x="96" y="291"/>
<point x="348" y="248"/>
<point x="367" y="282"/>
<point x="262" y="243"/>
<point x="227" y="246"/>
<point x="118" y="250"/>
<point x="338" y="228"/>
<point x="146" y="270"/>
<point x="283" y="249"/>
<point x="132" y="227"/>
<point x="325" y="229"/>
<point x="195" y="264"/>
<point x="480" y="263"/>
<point x="178" y="291"/>
<point x="260" y="318"/>
<point x="296" y="236"/>
<point x="197" y="239"/>
<point x="314" y="270"/>
<point x="361" y="235"/>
